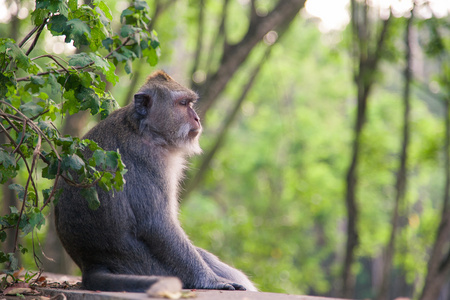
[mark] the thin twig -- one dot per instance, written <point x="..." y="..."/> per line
<point x="54" y="186"/>
<point x="123" y="44"/>
<point x="53" y="57"/>
<point x="17" y="149"/>
<point x="23" y="136"/>
<point x="20" y="119"/>
<point x="11" y="124"/>
<point x="34" y="127"/>
<point x="36" y="153"/>
<point x="25" y="39"/>
<point x="38" y="34"/>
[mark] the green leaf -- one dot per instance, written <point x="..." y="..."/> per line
<point x="73" y="4"/>
<point x="91" y="196"/>
<point x="13" y="262"/>
<point x="152" y="56"/>
<point x="31" y="109"/>
<point x="80" y="60"/>
<point x="53" y="6"/>
<point x="35" y="219"/>
<point x="112" y="159"/>
<point x="105" y="21"/>
<point x="99" y="158"/>
<point x="107" y="107"/>
<point x="141" y="5"/>
<point x="57" y="24"/>
<point x="23" y="250"/>
<point x="105" y="9"/>
<point x="78" y="31"/>
<point x="105" y="181"/>
<point x="18" y="55"/>
<point x="125" y="13"/>
<point x="3" y="236"/>
<point x="53" y="83"/>
<point x="100" y="62"/>
<point x="111" y="75"/>
<point x="51" y="170"/>
<point x="66" y="140"/>
<point x="127" y="30"/>
<point x="6" y="159"/>
<point x="88" y="99"/>
<point x="108" y="43"/>
<point x="7" y="84"/>
<point x="73" y="162"/>
<point x="38" y="16"/>
<point x="119" y="56"/>
<point x="155" y="44"/>
<point x="20" y="190"/>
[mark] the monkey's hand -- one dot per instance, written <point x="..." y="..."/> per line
<point x="223" y="284"/>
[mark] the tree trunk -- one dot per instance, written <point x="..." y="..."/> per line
<point x="439" y="264"/>
<point x="366" y="57"/>
<point x="400" y="185"/>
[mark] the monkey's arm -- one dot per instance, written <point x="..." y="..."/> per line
<point x="172" y="248"/>
<point x="160" y="230"/>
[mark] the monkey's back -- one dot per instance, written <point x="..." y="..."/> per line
<point x="108" y="236"/>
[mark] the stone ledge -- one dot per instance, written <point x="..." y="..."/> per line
<point x="75" y="294"/>
<point x="200" y="294"/>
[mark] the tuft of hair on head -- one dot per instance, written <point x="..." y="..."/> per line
<point x="159" y="75"/>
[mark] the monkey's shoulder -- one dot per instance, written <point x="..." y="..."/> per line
<point x="114" y="130"/>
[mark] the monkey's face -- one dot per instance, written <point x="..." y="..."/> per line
<point x="188" y="123"/>
<point x="170" y="115"/>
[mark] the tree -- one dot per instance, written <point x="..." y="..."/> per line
<point x="367" y="45"/>
<point x="401" y="178"/>
<point x="32" y="96"/>
<point x="438" y="270"/>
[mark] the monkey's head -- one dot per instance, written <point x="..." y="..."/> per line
<point x="164" y="108"/>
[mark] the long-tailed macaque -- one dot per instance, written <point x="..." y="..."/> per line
<point x="135" y="239"/>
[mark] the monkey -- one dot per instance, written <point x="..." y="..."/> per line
<point x="134" y="239"/>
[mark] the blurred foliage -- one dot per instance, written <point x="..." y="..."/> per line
<point x="272" y="202"/>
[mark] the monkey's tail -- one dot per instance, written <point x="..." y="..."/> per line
<point x="106" y="281"/>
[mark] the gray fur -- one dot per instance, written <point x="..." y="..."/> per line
<point x="135" y="237"/>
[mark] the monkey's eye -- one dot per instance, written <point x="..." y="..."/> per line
<point x="187" y="102"/>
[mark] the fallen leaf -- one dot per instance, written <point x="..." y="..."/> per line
<point x="168" y="287"/>
<point x="17" y="273"/>
<point x="12" y="291"/>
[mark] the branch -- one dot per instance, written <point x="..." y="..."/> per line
<point x="27" y="78"/>
<point x="231" y="60"/>
<point x="24" y="127"/>
<point x="53" y="57"/>
<point x="199" y="44"/>
<point x="25" y="39"/>
<point x="220" y="34"/>
<point x="195" y="181"/>
<point x="159" y="9"/>
<point x="17" y="146"/>
<point x="38" y="34"/>
<point x="34" y="127"/>
<point x="112" y="51"/>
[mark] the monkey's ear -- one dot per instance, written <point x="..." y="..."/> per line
<point x="142" y="102"/>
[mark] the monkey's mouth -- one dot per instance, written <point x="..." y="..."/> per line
<point x="194" y="132"/>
